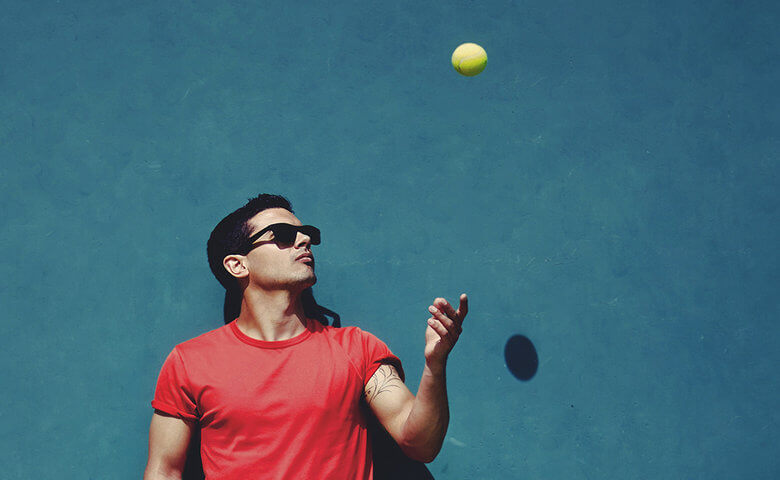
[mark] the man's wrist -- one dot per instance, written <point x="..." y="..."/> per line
<point x="435" y="367"/>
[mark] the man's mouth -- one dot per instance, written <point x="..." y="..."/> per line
<point x="306" y="258"/>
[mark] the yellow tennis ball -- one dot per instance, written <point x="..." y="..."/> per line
<point x="469" y="59"/>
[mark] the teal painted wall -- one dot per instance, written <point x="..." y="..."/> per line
<point x="607" y="187"/>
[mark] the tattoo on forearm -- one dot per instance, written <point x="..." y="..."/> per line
<point x="384" y="380"/>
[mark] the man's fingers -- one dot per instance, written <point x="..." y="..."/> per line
<point x="438" y="328"/>
<point x="448" y="322"/>
<point x="463" y="310"/>
<point x="443" y="305"/>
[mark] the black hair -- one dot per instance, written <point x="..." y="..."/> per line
<point x="230" y="236"/>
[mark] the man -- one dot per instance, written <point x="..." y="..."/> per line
<point x="277" y="392"/>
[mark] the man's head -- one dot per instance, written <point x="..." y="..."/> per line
<point x="280" y="256"/>
<point x="239" y="257"/>
<point x="232" y="236"/>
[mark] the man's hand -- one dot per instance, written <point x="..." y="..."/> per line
<point x="444" y="327"/>
<point x="419" y="423"/>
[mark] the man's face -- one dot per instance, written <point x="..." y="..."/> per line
<point x="273" y="266"/>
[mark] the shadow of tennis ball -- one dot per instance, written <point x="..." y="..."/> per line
<point x="521" y="358"/>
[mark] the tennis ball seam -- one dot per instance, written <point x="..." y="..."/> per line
<point x="472" y="56"/>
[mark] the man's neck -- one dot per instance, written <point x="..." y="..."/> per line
<point x="271" y="315"/>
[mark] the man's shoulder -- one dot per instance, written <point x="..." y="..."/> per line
<point x="349" y="335"/>
<point x="205" y="340"/>
<point x="340" y="332"/>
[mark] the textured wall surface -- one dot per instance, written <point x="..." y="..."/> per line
<point x="607" y="187"/>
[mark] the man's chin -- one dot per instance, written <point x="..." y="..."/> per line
<point x="309" y="281"/>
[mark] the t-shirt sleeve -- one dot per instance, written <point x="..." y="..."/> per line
<point x="376" y="354"/>
<point x="173" y="394"/>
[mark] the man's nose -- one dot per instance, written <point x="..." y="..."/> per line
<point x="301" y="239"/>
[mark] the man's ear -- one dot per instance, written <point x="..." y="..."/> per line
<point x="236" y="265"/>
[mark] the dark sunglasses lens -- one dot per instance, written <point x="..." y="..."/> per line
<point x="284" y="234"/>
<point x="312" y="232"/>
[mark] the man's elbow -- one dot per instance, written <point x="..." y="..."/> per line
<point x="428" y="458"/>
<point x="162" y="472"/>
<point x="421" y="453"/>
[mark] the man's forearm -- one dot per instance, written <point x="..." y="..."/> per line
<point x="424" y="429"/>
<point x="426" y="425"/>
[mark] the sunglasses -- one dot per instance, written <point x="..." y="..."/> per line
<point x="285" y="234"/>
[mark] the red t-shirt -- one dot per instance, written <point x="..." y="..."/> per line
<point x="276" y="410"/>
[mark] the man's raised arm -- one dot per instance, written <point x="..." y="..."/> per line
<point x="419" y="424"/>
